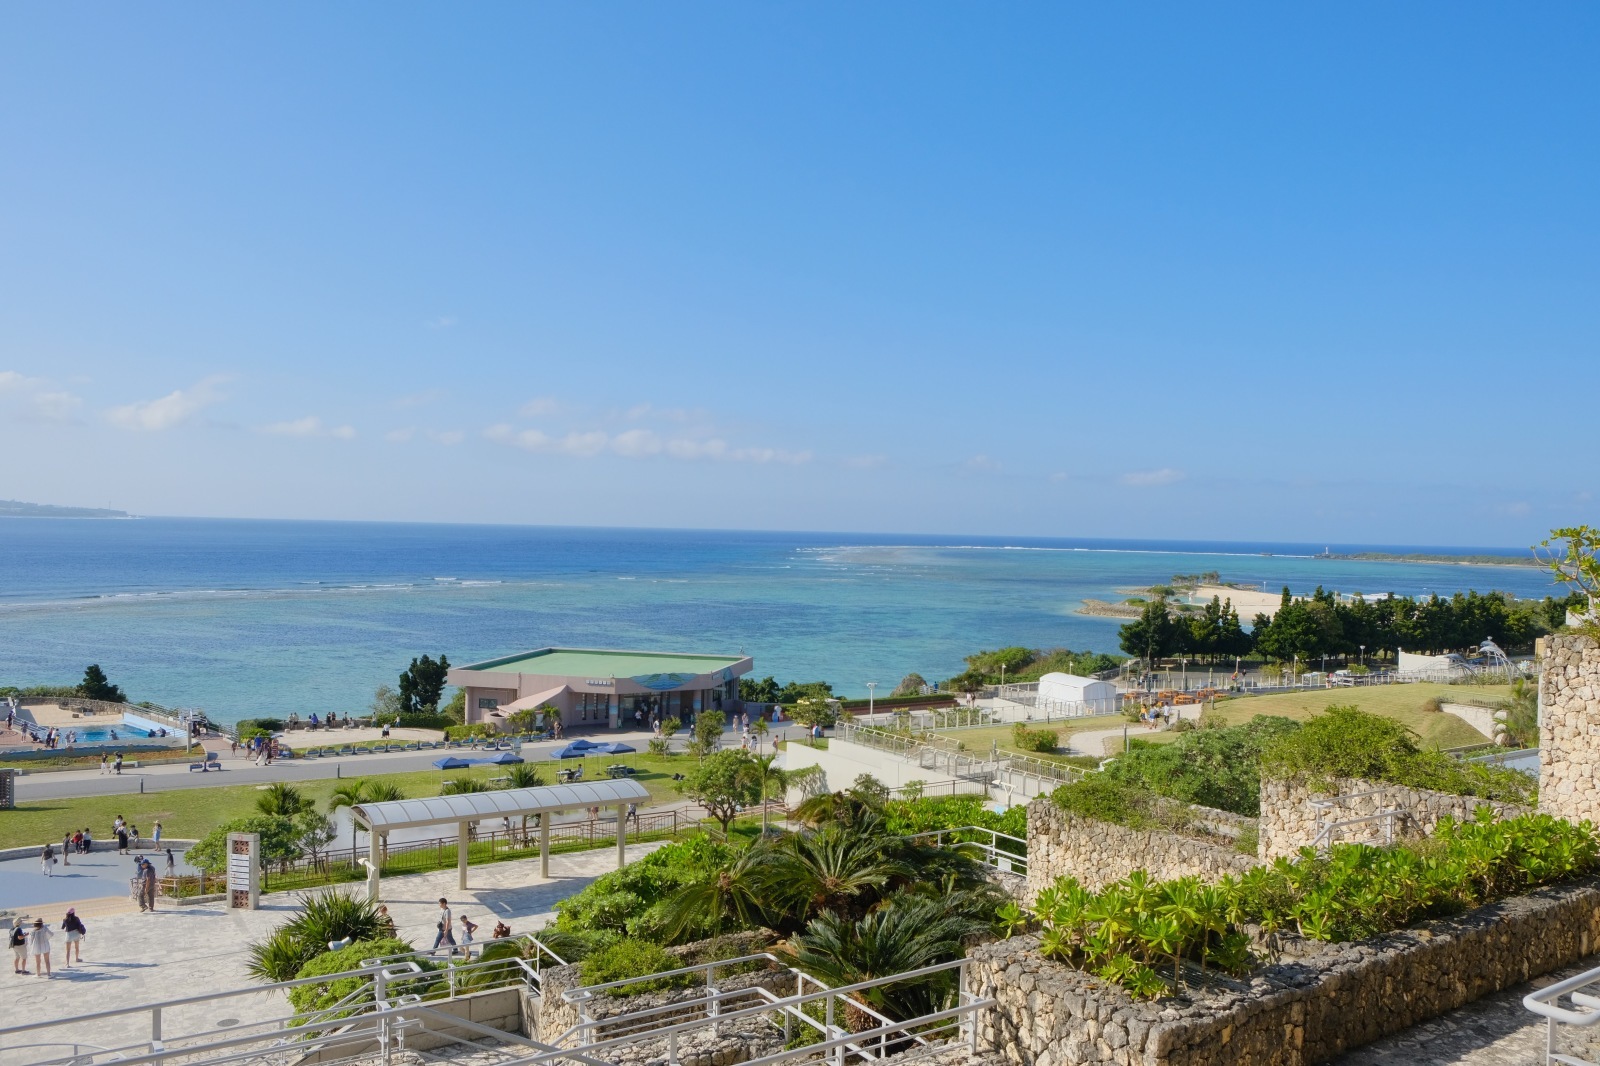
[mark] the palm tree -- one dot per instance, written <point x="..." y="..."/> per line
<point x="284" y="801"/>
<point x="383" y="792"/>
<point x="732" y="897"/>
<point x="841" y="868"/>
<point x="521" y="775"/>
<point x="907" y="933"/>
<point x="349" y="794"/>
<point x="768" y="773"/>
<point x="460" y="786"/>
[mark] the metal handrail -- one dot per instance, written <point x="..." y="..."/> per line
<point x="1544" y="1003"/>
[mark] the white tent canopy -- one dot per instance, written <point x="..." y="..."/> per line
<point x="465" y="808"/>
<point x="1097" y="697"/>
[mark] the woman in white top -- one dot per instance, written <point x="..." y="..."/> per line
<point x="39" y="945"/>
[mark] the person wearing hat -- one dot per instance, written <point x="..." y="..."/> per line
<point x="39" y="944"/>
<point x="73" y="926"/>
<point x="19" y="947"/>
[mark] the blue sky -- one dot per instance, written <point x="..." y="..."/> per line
<point x="1247" y="272"/>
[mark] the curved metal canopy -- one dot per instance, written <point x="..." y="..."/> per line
<point x="504" y="803"/>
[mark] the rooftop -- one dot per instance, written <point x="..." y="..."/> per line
<point x="596" y="662"/>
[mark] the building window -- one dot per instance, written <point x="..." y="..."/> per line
<point x="488" y="703"/>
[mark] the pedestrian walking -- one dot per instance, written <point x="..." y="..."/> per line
<point x="147" y="897"/>
<point x="156" y="836"/>
<point x="468" y="927"/>
<point x="19" y="947"/>
<point x="66" y="849"/>
<point x="105" y="762"/>
<point x="122" y="841"/>
<point x="172" y="864"/>
<point x="447" y="932"/>
<point x="633" y="814"/>
<point x="39" y="946"/>
<point x="88" y="841"/>
<point x="47" y="859"/>
<point x="117" y="764"/>
<point x="386" y="921"/>
<point x="73" y="926"/>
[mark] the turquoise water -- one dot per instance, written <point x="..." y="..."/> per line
<point x="250" y="617"/>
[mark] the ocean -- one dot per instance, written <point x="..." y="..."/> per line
<point x="246" y="618"/>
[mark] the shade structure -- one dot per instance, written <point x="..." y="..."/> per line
<point x="577" y="749"/>
<point x="464" y="809"/>
<point x="502" y="758"/>
<point x="614" y="747"/>
<point x="452" y="762"/>
<point x="457" y="762"/>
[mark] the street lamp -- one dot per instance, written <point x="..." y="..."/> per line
<point x="870" y="686"/>
<point x="1363" y="654"/>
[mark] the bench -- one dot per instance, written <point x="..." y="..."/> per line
<point x="210" y="762"/>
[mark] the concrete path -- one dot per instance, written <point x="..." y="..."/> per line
<point x="133" y="958"/>
<point x="239" y="770"/>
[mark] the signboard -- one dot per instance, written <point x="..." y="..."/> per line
<point x="244" y="871"/>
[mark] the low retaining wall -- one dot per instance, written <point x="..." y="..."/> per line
<point x="504" y="1009"/>
<point x="1326" y="1001"/>
<point x="1289" y="821"/>
<point x="1098" y="853"/>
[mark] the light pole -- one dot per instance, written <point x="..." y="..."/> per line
<point x="1363" y="654"/>
<point x="871" y="685"/>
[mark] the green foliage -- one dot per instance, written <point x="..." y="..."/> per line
<point x="96" y="686"/>
<point x="467" y="732"/>
<point x="422" y="685"/>
<point x="908" y="817"/>
<point x="282" y="801"/>
<point x="1153" y="634"/>
<point x="814" y="710"/>
<point x="1357" y="891"/>
<point x="1129" y="929"/>
<point x="385" y="708"/>
<point x="622" y="901"/>
<point x="323" y="917"/>
<point x="633" y="958"/>
<point x="763" y="691"/>
<point x="795" y="691"/>
<point x="456" y="708"/>
<point x="247" y="728"/>
<point x="460" y="786"/>
<point x="1039" y="740"/>
<point x="1578" y="562"/>
<point x="1105" y="799"/>
<point x="708" y="726"/>
<point x="1214" y="767"/>
<point x="425" y="721"/>
<point x="724" y="782"/>
<point x="1522" y="713"/>
<point x="1349" y="742"/>
<point x="280" y="842"/>
<point x="312" y="1002"/>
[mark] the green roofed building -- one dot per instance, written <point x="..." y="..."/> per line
<point x="598" y="688"/>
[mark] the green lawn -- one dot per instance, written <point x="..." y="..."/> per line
<point x="1400" y="702"/>
<point x="980" y="739"/>
<point x="192" y="812"/>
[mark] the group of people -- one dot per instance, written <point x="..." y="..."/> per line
<point x="36" y="941"/>
<point x="109" y="764"/>
<point x="315" y="722"/>
<point x="447" y="931"/>
<point x="143" y="885"/>
<point x="261" y="748"/>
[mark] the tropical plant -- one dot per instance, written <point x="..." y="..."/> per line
<point x="383" y="792"/>
<point x="422" y="685"/>
<point x="631" y="958"/>
<point x="907" y="932"/>
<point x="769" y="775"/>
<point x="1216" y="766"/>
<point x="280" y="842"/>
<point x="323" y="918"/>
<point x="460" y="786"/>
<point x="283" y="801"/>
<point x="723" y="783"/>
<point x="96" y="686"/>
<point x="313" y="1003"/>
<point x="735" y="896"/>
<point x="708" y="726"/>
<point x="522" y="775"/>
<point x="1039" y="740"/>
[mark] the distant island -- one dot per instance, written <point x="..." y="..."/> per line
<point x="18" y="509"/>
<point x="1459" y="560"/>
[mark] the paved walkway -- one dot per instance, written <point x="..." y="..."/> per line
<point x="136" y="958"/>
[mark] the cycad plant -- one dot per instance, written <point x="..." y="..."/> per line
<point x="458" y="786"/>
<point x="324" y="917"/>
<point x="283" y="801"/>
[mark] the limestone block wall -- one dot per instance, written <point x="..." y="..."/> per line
<point x="1098" y="853"/>
<point x="1289" y="821"/>
<point x="1569" y="728"/>
<point x="1307" y="1010"/>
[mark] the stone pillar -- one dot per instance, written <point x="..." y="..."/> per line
<point x="244" y="871"/>
<point x="463" y="842"/>
<point x="622" y="835"/>
<point x="1569" y="728"/>
<point x="544" y="844"/>
<point x="374" y="864"/>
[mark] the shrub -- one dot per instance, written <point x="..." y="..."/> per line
<point x="1214" y="767"/>
<point x="425" y="721"/>
<point x="1040" y="740"/>
<point x="632" y="958"/>
<point x="617" y="902"/>
<point x="323" y="917"/>
<point x="248" y="728"/>
<point x="1349" y="742"/>
<point x="1106" y="799"/>
<point x="467" y="732"/>
<point x="1433" y="705"/>
<point x="310" y="1000"/>
<point x="280" y="842"/>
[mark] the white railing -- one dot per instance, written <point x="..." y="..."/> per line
<point x="1581" y="1014"/>
<point x="984" y="844"/>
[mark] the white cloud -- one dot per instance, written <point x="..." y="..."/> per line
<point x="56" y="406"/>
<point x="446" y="437"/>
<point x="442" y="322"/>
<point x="309" y="426"/>
<point x="538" y="407"/>
<point x="1146" y="479"/>
<point x="637" y="444"/>
<point x="982" y="462"/>
<point x="1517" y="509"/>
<point x="11" y="381"/>
<point x="400" y="436"/>
<point x="165" y="412"/>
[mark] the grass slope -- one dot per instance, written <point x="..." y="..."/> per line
<point x="1403" y="703"/>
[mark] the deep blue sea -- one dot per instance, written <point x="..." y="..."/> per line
<point x="253" y="617"/>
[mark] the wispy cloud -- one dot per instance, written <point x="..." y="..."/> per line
<point x="441" y="322"/>
<point x="1148" y="479"/>
<point x="981" y="462"/>
<point x="865" y="462"/>
<point x="165" y="412"/>
<point x="310" y="426"/>
<point x="1515" y="509"/>
<point x="41" y="399"/>
<point x="539" y="406"/>
<point x="447" y="437"/>
<point x="56" y="406"/>
<point x="11" y="381"/>
<point x="400" y="436"/>
<point x="637" y="444"/>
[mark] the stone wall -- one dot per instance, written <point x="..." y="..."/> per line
<point x="1328" y="999"/>
<point x="1569" y="728"/>
<point x="1289" y="821"/>
<point x="1098" y="853"/>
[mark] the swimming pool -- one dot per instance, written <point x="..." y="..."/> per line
<point x="101" y="734"/>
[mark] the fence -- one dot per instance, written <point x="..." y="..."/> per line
<point x="1022" y="775"/>
<point x="995" y="849"/>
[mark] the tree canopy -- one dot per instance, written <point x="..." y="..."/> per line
<point x="422" y="685"/>
<point x="96" y="686"/>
